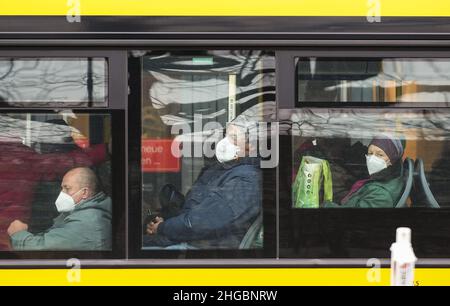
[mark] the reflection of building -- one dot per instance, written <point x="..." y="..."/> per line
<point x="376" y="81"/>
<point x="208" y="84"/>
<point x="152" y="125"/>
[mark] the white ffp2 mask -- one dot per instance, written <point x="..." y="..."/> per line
<point x="65" y="203"/>
<point x="226" y="150"/>
<point x="375" y="164"/>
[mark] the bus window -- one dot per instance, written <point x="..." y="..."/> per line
<point x="373" y="81"/>
<point x="55" y="182"/>
<point x="357" y="174"/>
<point x="44" y="82"/>
<point x="360" y="158"/>
<point x="202" y="177"/>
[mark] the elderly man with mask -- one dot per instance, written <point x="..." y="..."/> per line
<point x="22" y="169"/>
<point x="84" y="222"/>
<point x="223" y="202"/>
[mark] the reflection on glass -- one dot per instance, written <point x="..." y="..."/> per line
<point x="373" y="80"/>
<point x="54" y="182"/>
<point x="370" y="158"/>
<point x="43" y="82"/>
<point x="193" y="200"/>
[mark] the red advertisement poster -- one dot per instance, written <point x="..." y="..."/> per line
<point x="157" y="156"/>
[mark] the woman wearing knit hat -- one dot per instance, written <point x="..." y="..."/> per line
<point x="385" y="184"/>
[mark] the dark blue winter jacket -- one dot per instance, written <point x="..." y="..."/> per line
<point x="221" y="206"/>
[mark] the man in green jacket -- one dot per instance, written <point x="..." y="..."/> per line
<point x="385" y="184"/>
<point x="84" y="223"/>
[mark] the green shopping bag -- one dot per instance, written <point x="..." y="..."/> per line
<point x="312" y="174"/>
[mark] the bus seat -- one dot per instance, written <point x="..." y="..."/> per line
<point x="252" y="233"/>
<point x="408" y="175"/>
<point x="422" y="184"/>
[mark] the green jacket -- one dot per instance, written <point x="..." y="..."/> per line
<point x="86" y="228"/>
<point x="382" y="191"/>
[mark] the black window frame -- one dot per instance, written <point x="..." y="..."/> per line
<point x="127" y="125"/>
<point x="287" y="103"/>
<point x="116" y="108"/>
<point x="269" y="250"/>
<point x="112" y="99"/>
<point x="287" y="83"/>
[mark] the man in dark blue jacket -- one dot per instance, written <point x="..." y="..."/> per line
<point x="223" y="202"/>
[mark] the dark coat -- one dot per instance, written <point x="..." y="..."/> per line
<point x="382" y="190"/>
<point x="219" y="209"/>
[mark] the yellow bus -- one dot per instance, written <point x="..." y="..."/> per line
<point x="223" y="144"/>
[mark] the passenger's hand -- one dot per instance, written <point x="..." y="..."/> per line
<point x="152" y="227"/>
<point x="17" y="226"/>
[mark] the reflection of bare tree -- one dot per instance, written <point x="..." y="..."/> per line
<point x="8" y="70"/>
<point x="366" y="123"/>
<point x="53" y="80"/>
<point x="18" y="127"/>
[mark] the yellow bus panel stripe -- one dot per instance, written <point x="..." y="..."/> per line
<point x="215" y="277"/>
<point x="425" y="8"/>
